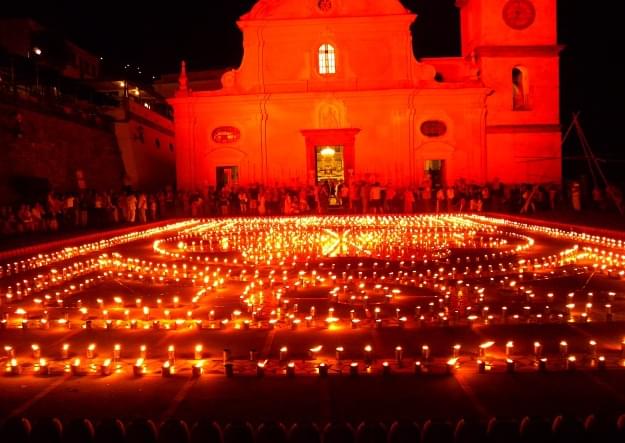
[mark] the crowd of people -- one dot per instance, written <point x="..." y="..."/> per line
<point x="374" y="198"/>
<point x="85" y="209"/>
<point x="105" y="209"/>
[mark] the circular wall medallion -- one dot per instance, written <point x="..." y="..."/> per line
<point x="519" y="14"/>
<point x="324" y="5"/>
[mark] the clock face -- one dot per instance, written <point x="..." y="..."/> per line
<point x="519" y="14"/>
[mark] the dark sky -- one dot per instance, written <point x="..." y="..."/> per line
<point x="157" y="35"/>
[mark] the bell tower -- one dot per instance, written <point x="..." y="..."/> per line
<point x="514" y="45"/>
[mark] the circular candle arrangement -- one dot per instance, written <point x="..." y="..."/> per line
<point x="313" y="274"/>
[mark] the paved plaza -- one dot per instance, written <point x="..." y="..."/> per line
<point x="318" y="317"/>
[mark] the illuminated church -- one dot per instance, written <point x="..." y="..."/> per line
<point x="331" y="90"/>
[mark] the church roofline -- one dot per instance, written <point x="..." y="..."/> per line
<point x="331" y="20"/>
<point x="296" y="9"/>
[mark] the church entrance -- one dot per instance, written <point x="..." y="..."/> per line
<point x="330" y="160"/>
<point x="435" y="172"/>
<point x="330" y="171"/>
<point x="227" y="175"/>
<point x="330" y="164"/>
<point x="330" y="154"/>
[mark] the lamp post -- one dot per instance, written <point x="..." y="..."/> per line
<point x="37" y="53"/>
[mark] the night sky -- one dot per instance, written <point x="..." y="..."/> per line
<point x="156" y="36"/>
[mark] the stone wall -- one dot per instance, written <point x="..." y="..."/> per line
<point x="38" y="146"/>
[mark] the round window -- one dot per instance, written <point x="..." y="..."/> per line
<point x="226" y="134"/>
<point x="433" y="128"/>
<point x="324" y="5"/>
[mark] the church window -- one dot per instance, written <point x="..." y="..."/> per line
<point x="324" y="5"/>
<point x="226" y="134"/>
<point x="327" y="59"/>
<point x="520" y="89"/>
<point x="433" y="128"/>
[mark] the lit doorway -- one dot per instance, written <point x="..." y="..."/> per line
<point x="330" y="171"/>
<point x="435" y="172"/>
<point x="227" y="176"/>
<point x="330" y="164"/>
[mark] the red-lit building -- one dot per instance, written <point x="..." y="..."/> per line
<point x="330" y="89"/>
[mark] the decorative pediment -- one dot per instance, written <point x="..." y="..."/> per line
<point x="285" y="9"/>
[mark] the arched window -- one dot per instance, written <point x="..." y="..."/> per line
<point x="520" y="89"/>
<point x="327" y="59"/>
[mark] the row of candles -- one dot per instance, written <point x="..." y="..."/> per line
<point x="301" y="280"/>
<point x="205" y="277"/>
<point x="447" y="306"/>
<point x="449" y="222"/>
<point x="313" y="353"/>
<point x="47" y="259"/>
<point x="429" y="316"/>
<point x="267" y="240"/>
<point x="161" y="272"/>
<point x="215" y="279"/>
<point x="114" y="363"/>
<point x="581" y="237"/>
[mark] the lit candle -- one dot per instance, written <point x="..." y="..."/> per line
<point x="399" y="355"/>
<point x="537" y="349"/>
<point x="353" y="369"/>
<point x="198" y="352"/>
<point x="564" y="349"/>
<point x="425" y="352"/>
<point x="592" y="345"/>
<point x="456" y="351"/>
<point x="139" y="368"/>
<point x="36" y="351"/>
<point x="509" y="348"/>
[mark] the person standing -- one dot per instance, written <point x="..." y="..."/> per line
<point x="131" y="208"/>
<point x="409" y="201"/>
<point x="142" y="206"/>
<point x="70" y="210"/>
<point x="426" y="197"/>
<point x="364" y="197"/>
<point x="375" y="198"/>
<point x="122" y="204"/>
<point x="243" y="201"/>
<point x="344" y="194"/>
<point x="553" y="195"/>
<point x="354" y="197"/>
<point x="262" y="203"/>
<point x="440" y="200"/>
<point x="153" y="207"/>
<point x="451" y="195"/>
<point x="486" y="198"/>
<point x="576" y="197"/>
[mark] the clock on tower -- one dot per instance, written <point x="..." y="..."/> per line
<point x="519" y="14"/>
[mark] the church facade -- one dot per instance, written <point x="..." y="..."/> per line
<point x="331" y="90"/>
